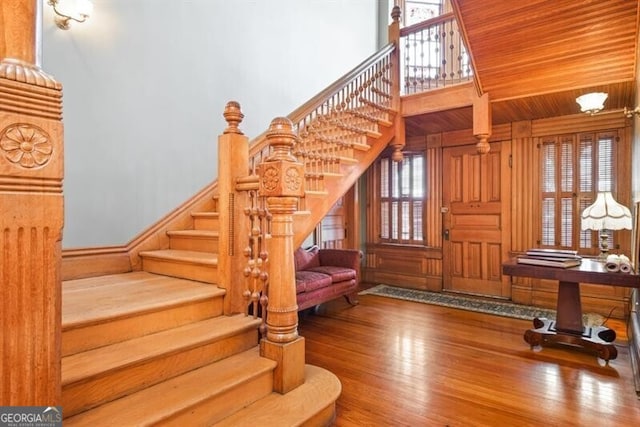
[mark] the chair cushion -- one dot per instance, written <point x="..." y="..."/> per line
<point x="307" y="281"/>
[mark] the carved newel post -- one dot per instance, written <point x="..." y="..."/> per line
<point x="31" y="215"/>
<point x="282" y="183"/>
<point x="233" y="157"/>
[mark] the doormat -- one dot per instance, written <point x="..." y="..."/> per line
<point x="498" y="308"/>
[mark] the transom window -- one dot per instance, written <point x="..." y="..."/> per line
<point x="402" y="192"/>
<point x="415" y="11"/>
<point x="574" y="169"/>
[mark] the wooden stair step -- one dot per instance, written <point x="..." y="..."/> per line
<point x="311" y="404"/>
<point x="205" y="220"/>
<point x="100" y="375"/>
<point x="102" y="310"/>
<point x="199" y="397"/>
<point x="194" y="240"/>
<point x="194" y="265"/>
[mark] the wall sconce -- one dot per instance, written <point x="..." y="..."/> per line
<point x="603" y="215"/>
<point x="592" y="102"/>
<point x="83" y="10"/>
<point x="631" y="113"/>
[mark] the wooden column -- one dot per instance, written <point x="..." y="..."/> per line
<point x="233" y="155"/>
<point x="399" y="138"/>
<point x="31" y="215"/>
<point x="282" y="183"/>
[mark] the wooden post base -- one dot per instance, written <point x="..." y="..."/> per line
<point x="596" y="339"/>
<point x="289" y="373"/>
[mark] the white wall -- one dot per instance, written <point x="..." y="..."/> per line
<point x="146" y="81"/>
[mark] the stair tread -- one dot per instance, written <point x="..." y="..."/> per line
<point x="194" y="233"/>
<point x="207" y="258"/>
<point x="293" y="408"/>
<point x="154" y="404"/>
<point x="95" y="299"/>
<point x="102" y="360"/>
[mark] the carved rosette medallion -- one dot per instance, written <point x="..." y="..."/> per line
<point x="293" y="180"/>
<point x="26" y="145"/>
<point x="270" y="179"/>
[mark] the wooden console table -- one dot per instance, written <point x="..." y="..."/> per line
<point x="568" y="327"/>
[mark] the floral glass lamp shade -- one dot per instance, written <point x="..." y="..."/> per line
<point x="592" y="102"/>
<point x="603" y="215"/>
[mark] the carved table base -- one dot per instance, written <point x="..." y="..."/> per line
<point x="568" y="327"/>
<point x="597" y="339"/>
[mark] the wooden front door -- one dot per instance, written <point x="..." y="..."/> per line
<point x="476" y="200"/>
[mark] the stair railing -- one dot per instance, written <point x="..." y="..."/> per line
<point x="266" y="182"/>
<point x="262" y="203"/>
<point x="433" y="55"/>
<point x="365" y="92"/>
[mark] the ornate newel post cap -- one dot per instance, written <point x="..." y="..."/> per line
<point x="233" y="115"/>
<point x="395" y="13"/>
<point x="281" y="175"/>
<point x="282" y="139"/>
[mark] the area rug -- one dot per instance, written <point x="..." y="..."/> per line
<point x="497" y="308"/>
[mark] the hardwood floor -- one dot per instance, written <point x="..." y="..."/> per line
<point x="410" y="364"/>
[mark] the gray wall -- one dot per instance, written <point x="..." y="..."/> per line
<point x="145" y="84"/>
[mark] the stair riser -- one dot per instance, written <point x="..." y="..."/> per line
<point x="221" y="405"/>
<point x="201" y="273"/>
<point x="202" y="223"/>
<point x="199" y="244"/>
<point x="91" y="392"/>
<point x="98" y="335"/>
<point x="326" y="417"/>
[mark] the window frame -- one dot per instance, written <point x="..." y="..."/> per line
<point x="400" y="200"/>
<point x="586" y="242"/>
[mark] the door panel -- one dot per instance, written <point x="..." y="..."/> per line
<point x="477" y="200"/>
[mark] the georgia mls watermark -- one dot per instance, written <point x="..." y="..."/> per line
<point x="30" y="416"/>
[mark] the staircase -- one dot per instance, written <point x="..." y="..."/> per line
<point x="155" y="345"/>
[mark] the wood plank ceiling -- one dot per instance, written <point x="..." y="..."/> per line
<point x="535" y="57"/>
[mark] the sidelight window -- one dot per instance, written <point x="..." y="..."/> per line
<point x="402" y="191"/>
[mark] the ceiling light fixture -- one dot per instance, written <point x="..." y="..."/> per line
<point x="592" y="102"/>
<point x="83" y="10"/>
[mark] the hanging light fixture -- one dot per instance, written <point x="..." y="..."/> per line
<point x="592" y="102"/>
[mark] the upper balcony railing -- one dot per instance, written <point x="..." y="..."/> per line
<point x="433" y="55"/>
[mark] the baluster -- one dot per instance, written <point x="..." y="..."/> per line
<point x="255" y="294"/>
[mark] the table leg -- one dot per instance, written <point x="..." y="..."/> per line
<point x="569" y="309"/>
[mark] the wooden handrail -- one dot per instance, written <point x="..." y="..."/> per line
<point x="419" y="26"/>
